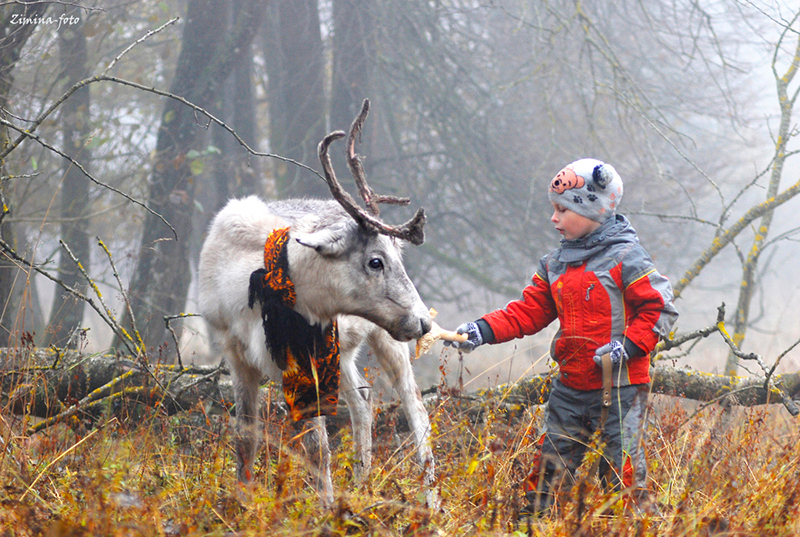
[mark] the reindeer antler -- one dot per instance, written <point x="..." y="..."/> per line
<point x="411" y="231"/>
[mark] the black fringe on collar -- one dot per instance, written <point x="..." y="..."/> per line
<point x="284" y="328"/>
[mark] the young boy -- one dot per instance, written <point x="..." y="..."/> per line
<point x="609" y="299"/>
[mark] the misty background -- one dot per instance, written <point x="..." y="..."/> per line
<point x="475" y="106"/>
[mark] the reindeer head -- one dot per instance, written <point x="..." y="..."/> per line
<point x="357" y="266"/>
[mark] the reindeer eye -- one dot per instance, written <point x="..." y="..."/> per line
<point x="375" y="264"/>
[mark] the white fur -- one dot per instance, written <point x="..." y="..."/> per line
<point x="329" y="264"/>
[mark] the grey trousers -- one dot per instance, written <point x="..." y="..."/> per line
<point x="572" y="418"/>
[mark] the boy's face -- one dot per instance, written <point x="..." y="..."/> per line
<point x="570" y="224"/>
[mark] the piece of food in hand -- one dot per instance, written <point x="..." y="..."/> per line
<point x="425" y="343"/>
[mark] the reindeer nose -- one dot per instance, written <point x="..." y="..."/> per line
<point x="425" y="325"/>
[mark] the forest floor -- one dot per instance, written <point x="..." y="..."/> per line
<point x="137" y="471"/>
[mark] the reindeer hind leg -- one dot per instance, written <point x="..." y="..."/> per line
<point x="245" y="388"/>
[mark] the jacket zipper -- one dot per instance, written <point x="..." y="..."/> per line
<point x="591" y="286"/>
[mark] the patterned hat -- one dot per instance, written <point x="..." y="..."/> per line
<point x="588" y="187"/>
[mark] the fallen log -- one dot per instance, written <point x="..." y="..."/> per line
<point x="679" y="382"/>
<point x="53" y="385"/>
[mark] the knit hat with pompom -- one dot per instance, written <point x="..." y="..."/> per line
<point x="589" y="187"/>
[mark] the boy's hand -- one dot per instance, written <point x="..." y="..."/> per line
<point x="475" y="338"/>
<point x="615" y="349"/>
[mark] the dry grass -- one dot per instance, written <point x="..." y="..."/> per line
<point x="137" y="471"/>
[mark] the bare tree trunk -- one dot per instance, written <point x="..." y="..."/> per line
<point x="12" y="39"/>
<point x="236" y="173"/>
<point x="295" y="63"/>
<point x="161" y="279"/>
<point x="751" y="263"/>
<point x="353" y="64"/>
<point x="67" y="312"/>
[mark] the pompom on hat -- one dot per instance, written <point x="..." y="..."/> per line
<point x="589" y="187"/>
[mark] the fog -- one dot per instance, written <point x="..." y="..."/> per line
<point x="475" y="106"/>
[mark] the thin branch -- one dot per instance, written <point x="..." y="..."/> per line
<point x="667" y="344"/>
<point x="738" y="353"/>
<point x="727" y="236"/>
<point x="95" y="395"/>
<point x="28" y="134"/>
<point x="787" y="401"/>
<point x="77" y="294"/>
<point x="57" y="2"/>
<point x="212" y="118"/>
<point x="724" y="396"/>
<point x="167" y="320"/>
<point x="215" y="373"/>
<point x="676" y="217"/>
<point x="140" y="40"/>
<point x="780" y="357"/>
<point x="139" y="341"/>
<point x="769" y="386"/>
<point x="197" y="109"/>
<point x="127" y="339"/>
<point x="22" y="176"/>
<point x="85" y="217"/>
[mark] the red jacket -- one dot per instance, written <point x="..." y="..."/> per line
<point x="601" y="287"/>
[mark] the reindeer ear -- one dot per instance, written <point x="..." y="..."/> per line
<point x="330" y="241"/>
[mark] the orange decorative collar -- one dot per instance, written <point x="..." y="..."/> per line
<point x="307" y="354"/>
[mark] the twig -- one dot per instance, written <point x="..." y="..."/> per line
<point x="104" y="78"/>
<point x="215" y="373"/>
<point x="778" y="360"/>
<point x="28" y="134"/>
<point x="77" y="294"/>
<point x="54" y="461"/>
<point x="726" y="395"/>
<point x="734" y="349"/>
<point x="212" y="118"/>
<point x="140" y="40"/>
<point x="140" y="346"/>
<point x="769" y="386"/>
<point x="21" y="176"/>
<point x="81" y="405"/>
<point x="667" y="344"/>
<point x="689" y="218"/>
<point x="66" y="219"/>
<point x="50" y="109"/>
<point x="787" y="401"/>
<point x="127" y="339"/>
<point x="139" y="341"/>
<point x="76" y="332"/>
<point x="167" y="319"/>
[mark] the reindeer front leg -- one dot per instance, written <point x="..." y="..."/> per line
<point x="395" y="361"/>
<point x="358" y="395"/>
<point x="318" y="450"/>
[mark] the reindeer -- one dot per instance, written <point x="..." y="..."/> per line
<point x="346" y="268"/>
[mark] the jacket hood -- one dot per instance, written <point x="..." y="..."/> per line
<point x="613" y="231"/>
